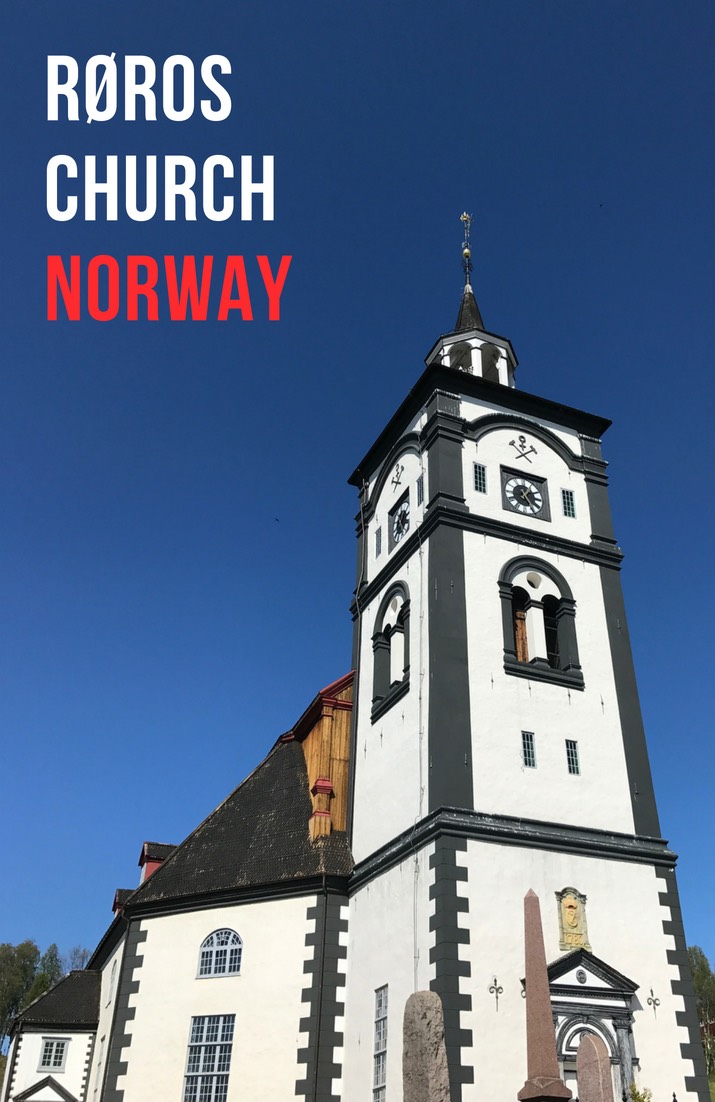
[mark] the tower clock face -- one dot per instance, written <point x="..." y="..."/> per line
<point x="401" y="521"/>
<point x="524" y="496"/>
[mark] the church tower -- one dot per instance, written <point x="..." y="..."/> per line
<point x="498" y="745"/>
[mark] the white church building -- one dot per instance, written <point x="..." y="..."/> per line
<point x="488" y="741"/>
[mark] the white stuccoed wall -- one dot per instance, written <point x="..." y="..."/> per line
<point x="107" y="1002"/>
<point x="625" y="931"/>
<point x="503" y="705"/>
<point x="265" y="997"/>
<point x="389" y="925"/>
<point x="28" y="1070"/>
<point x="391" y="758"/>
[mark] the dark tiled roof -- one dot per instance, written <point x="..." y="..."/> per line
<point x="156" y="851"/>
<point x="121" y="896"/>
<point x="73" y="1001"/>
<point x="256" y="837"/>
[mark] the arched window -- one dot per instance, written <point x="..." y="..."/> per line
<point x="390" y="646"/>
<point x="221" y="954"/>
<point x="112" y="982"/>
<point x="461" y="357"/>
<point x="490" y="363"/>
<point x="539" y="620"/>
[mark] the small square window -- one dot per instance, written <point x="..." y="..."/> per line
<point x="420" y="489"/>
<point x="480" y="478"/>
<point x="568" y="502"/>
<point x="572" y="756"/>
<point x="528" y="749"/>
<point x="378" y="542"/>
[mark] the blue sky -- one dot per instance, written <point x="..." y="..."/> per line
<point x="177" y="542"/>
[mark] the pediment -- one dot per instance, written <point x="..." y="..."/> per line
<point x="45" y="1090"/>
<point x="581" y="973"/>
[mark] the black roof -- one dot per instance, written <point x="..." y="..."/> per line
<point x="74" y="1001"/>
<point x="257" y="837"/>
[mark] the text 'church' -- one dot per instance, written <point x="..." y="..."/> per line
<point x="487" y="743"/>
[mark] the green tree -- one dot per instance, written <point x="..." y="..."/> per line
<point x="49" y="972"/>
<point x="704" y="984"/>
<point x="18" y="967"/>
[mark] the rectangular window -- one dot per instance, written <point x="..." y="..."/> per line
<point x="209" y="1059"/>
<point x="420" y="489"/>
<point x="480" y="478"/>
<point x="568" y="502"/>
<point x="53" y="1054"/>
<point x="379" y="1072"/>
<point x="378" y="542"/>
<point x="528" y="749"/>
<point x="572" y="756"/>
<point x="98" y="1073"/>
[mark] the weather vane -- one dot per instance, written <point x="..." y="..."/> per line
<point x="466" y="249"/>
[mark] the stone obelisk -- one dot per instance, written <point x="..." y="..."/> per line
<point x="543" y="1081"/>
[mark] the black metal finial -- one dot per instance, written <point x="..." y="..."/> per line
<point x="466" y="248"/>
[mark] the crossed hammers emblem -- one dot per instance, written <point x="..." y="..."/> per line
<point x="522" y="452"/>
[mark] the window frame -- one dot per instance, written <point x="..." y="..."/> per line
<point x="573" y="758"/>
<point x="219" y="1076"/>
<point x="51" y="1066"/>
<point x="379" y="1049"/>
<point x="568" y="503"/>
<point x="230" y="949"/>
<point x="479" y="475"/>
<point x="385" y="690"/>
<point x="528" y="750"/>
<point x="112" y="981"/>
<point x="569" y="673"/>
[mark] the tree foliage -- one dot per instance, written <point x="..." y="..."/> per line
<point x="704" y="985"/>
<point x="50" y="971"/>
<point x="25" y="974"/>
<point x="18" y="968"/>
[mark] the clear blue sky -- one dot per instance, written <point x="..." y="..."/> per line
<point x="177" y="537"/>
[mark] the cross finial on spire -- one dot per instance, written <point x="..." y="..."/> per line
<point x="469" y="316"/>
<point x="466" y="249"/>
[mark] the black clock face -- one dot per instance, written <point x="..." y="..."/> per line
<point x="524" y="496"/>
<point x="401" y="522"/>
